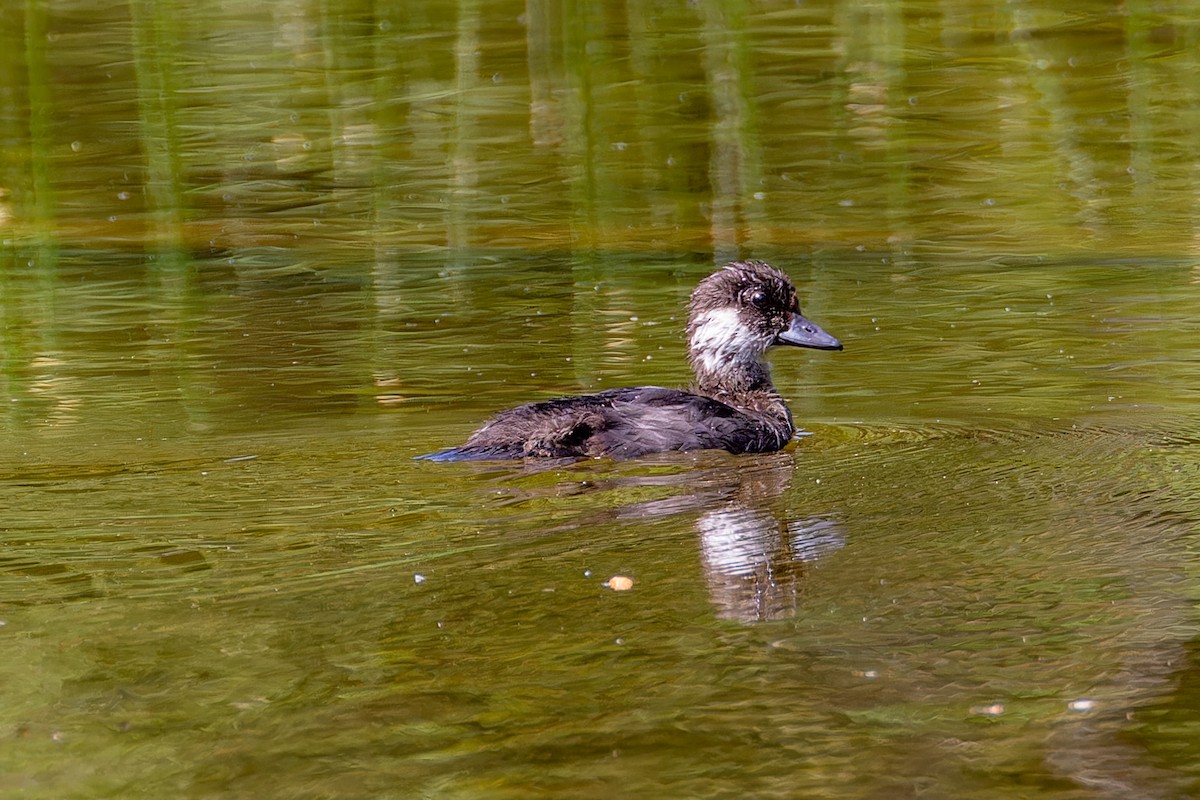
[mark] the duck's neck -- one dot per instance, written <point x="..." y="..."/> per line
<point x="732" y="380"/>
<point x="747" y="387"/>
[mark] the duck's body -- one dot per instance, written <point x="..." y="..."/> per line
<point x="734" y="317"/>
<point x="623" y="423"/>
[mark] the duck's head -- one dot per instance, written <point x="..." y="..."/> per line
<point x="738" y="313"/>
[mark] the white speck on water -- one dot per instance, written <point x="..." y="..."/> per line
<point x="418" y="578"/>
<point x="1081" y="705"/>
<point x="993" y="710"/>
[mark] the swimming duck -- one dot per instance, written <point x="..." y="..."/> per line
<point x="734" y="316"/>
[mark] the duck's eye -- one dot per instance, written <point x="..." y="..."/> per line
<point x="758" y="298"/>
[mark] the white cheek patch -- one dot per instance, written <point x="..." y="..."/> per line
<point x="717" y="328"/>
<point x="720" y="337"/>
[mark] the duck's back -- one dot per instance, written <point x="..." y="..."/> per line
<point x="621" y="423"/>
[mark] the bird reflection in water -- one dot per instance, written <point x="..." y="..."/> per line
<point x="754" y="562"/>
<point x="754" y="557"/>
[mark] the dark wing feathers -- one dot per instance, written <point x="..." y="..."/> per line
<point x="670" y="419"/>
<point x="621" y="423"/>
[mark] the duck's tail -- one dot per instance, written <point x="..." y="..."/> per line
<point x="469" y="453"/>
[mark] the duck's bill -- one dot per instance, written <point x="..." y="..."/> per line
<point x="808" y="334"/>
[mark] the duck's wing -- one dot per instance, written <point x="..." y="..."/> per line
<point x="558" y="428"/>
<point x="650" y="419"/>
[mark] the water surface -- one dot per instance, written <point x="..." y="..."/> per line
<point x="256" y="259"/>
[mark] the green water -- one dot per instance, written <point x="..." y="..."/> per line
<point x="256" y="258"/>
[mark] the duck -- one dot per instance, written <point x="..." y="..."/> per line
<point x="735" y="315"/>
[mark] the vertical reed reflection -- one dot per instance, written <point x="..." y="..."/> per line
<point x="35" y="198"/>
<point x="464" y="169"/>
<point x="735" y="171"/>
<point x="157" y="54"/>
<point x="723" y="125"/>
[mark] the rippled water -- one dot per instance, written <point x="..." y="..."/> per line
<point x="255" y="260"/>
<point x="226" y="575"/>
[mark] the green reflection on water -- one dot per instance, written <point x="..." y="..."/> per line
<point x="256" y="258"/>
<point x="915" y="128"/>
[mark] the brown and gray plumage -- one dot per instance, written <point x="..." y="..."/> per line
<point x="735" y="316"/>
